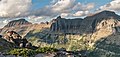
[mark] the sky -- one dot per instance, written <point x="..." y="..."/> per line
<point x="37" y="11"/>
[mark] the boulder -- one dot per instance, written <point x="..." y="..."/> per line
<point x="28" y="45"/>
<point x="12" y="36"/>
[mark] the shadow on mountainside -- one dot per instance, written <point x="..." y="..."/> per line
<point x="44" y="35"/>
<point x="5" y="45"/>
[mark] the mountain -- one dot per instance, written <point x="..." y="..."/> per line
<point x="86" y="25"/>
<point x="66" y="25"/>
<point x="17" y="23"/>
<point x="97" y="34"/>
<point x="22" y="27"/>
<point x="105" y="34"/>
<point x="101" y="24"/>
<point x="90" y="23"/>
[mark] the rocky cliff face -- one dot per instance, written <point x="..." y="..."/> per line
<point x="91" y="23"/>
<point x="13" y="37"/>
<point x="66" y="25"/>
<point x="101" y="30"/>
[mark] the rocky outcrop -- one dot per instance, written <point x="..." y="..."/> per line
<point x="87" y="25"/>
<point x="90" y="23"/>
<point x="17" y="23"/>
<point x="103" y="30"/>
<point x="13" y="37"/>
<point x="66" y="25"/>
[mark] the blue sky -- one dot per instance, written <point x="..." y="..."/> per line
<point x="37" y="11"/>
<point x="40" y="3"/>
<point x="98" y="3"/>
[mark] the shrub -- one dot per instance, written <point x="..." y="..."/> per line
<point x="22" y="52"/>
<point x="29" y="52"/>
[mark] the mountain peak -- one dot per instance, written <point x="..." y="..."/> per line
<point x="106" y="11"/>
<point x="22" y="19"/>
<point x="18" y="22"/>
<point x="105" y="14"/>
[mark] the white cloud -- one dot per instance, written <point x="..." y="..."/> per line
<point x="14" y="8"/>
<point x="63" y="15"/>
<point x="81" y="13"/>
<point x="35" y="19"/>
<point x="113" y="5"/>
<point x="56" y="8"/>
<point x="63" y="5"/>
<point x="21" y="8"/>
<point x="64" y="8"/>
<point x="83" y="7"/>
<point x="5" y="21"/>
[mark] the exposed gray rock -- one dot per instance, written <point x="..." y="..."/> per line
<point x="10" y="56"/>
<point x="28" y="45"/>
<point x="66" y="25"/>
<point x="90" y="23"/>
<point x="81" y="26"/>
<point x="44" y="55"/>
<point x="2" y="55"/>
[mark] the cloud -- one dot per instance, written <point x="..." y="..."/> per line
<point x="83" y="7"/>
<point x="81" y="13"/>
<point x="82" y="10"/>
<point x="14" y="8"/>
<point x="36" y="19"/>
<point x="4" y="22"/>
<point x="22" y="8"/>
<point x="56" y="8"/>
<point x="113" y="5"/>
<point x="63" y="5"/>
<point x="64" y="8"/>
<point x="63" y="15"/>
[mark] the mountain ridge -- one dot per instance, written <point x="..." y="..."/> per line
<point x="97" y="18"/>
<point x="17" y="23"/>
<point x="68" y="33"/>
